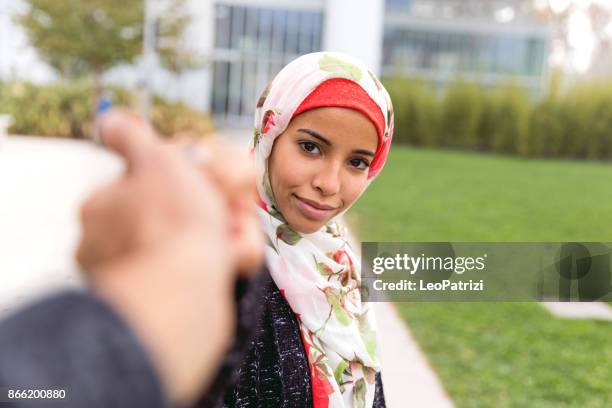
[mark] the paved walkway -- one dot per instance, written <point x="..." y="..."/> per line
<point x="408" y="378"/>
<point x="42" y="182"/>
<point x="579" y="310"/>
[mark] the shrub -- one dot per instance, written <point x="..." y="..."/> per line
<point x="67" y="110"/>
<point x="576" y="111"/>
<point x="546" y="129"/>
<point x="573" y="124"/>
<point x="589" y="121"/>
<point x="460" y="115"/>
<point x="176" y="118"/>
<point x="601" y="125"/>
<point x="511" y="121"/>
<point x="416" y="111"/>
<point x="486" y="127"/>
<point x="59" y="110"/>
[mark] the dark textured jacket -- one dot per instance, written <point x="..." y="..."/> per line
<point x="267" y="365"/>
<point x="76" y="343"/>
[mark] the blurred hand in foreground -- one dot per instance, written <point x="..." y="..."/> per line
<point x="162" y="245"/>
<point x="231" y="169"/>
<point x="228" y="167"/>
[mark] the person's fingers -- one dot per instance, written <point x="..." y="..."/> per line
<point x="251" y="248"/>
<point x="126" y="133"/>
<point x="185" y="137"/>
<point x="247" y="239"/>
<point x="229" y="166"/>
<point x="232" y="170"/>
<point x="95" y="245"/>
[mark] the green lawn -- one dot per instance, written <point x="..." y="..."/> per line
<point x="498" y="354"/>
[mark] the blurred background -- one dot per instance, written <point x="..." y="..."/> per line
<point x="503" y="132"/>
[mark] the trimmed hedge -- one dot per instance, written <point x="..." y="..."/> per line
<point x="67" y="110"/>
<point x="419" y="112"/>
<point x="573" y="124"/>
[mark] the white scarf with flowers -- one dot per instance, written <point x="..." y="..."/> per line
<point x="319" y="273"/>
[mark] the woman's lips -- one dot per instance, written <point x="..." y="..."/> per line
<point x="313" y="210"/>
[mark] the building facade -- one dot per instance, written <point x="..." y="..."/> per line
<point x="438" y="41"/>
<point x="243" y="43"/>
<point x="492" y="42"/>
<point x="253" y="40"/>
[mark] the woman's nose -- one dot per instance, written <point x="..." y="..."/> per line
<point x="327" y="179"/>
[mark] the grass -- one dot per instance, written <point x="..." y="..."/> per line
<point x="498" y="354"/>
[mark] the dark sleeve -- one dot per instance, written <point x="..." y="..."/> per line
<point x="379" y="395"/>
<point x="275" y="372"/>
<point x="76" y="342"/>
<point x="248" y="296"/>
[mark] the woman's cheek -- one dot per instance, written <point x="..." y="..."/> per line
<point x="301" y="171"/>
<point x="291" y="169"/>
<point x="354" y="187"/>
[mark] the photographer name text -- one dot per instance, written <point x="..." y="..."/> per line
<point x="420" y="285"/>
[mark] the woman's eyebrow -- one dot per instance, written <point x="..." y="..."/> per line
<point x="364" y="152"/>
<point x="316" y="135"/>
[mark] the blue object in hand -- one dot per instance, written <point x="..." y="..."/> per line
<point x="104" y="105"/>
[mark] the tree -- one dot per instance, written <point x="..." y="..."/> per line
<point x="77" y="37"/>
<point x="171" y="50"/>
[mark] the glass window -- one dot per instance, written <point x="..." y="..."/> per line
<point x="251" y="45"/>
<point x="398" y="4"/>
<point x="442" y="55"/>
<point x="535" y="56"/>
<point x="222" y="26"/>
<point x="220" y="75"/>
<point x="237" y="16"/>
<point x="278" y="30"/>
<point x="292" y="34"/>
<point x="306" y="24"/>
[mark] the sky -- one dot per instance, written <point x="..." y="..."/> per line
<point x="581" y="37"/>
<point x="17" y="58"/>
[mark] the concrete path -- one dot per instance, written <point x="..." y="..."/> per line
<point x="408" y="378"/>
<point x="42" y="182"/>
<point x="579" y="310"/>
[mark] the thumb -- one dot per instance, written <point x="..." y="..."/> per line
<point x="127" y="134"/>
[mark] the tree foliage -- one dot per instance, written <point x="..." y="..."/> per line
<point x="80" y="36"/>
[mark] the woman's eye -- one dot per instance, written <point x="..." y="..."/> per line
<point x="309" y="147"/>
<point x="359" y="163"/>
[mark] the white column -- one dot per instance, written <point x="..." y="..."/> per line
<point x="196" y="85"/>
<point x="355" y="27"/>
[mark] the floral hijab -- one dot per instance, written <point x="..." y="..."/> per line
<point x="319" y="273"/>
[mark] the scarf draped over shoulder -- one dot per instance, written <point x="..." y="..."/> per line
<point x="319" y="273"/>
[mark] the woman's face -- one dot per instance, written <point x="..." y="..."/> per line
<point x="319" y="165"/>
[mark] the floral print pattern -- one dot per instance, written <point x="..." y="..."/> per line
<point x="319" y="274"/>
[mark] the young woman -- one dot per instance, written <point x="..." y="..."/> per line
<point x="323" y="129"/>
